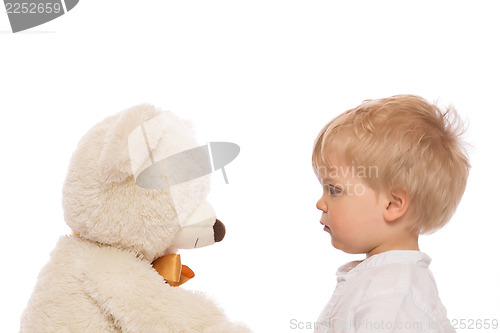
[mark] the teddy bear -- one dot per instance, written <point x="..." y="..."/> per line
<point x="134" y="194"/>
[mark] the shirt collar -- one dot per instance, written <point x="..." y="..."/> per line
<point x="417" y="258"/>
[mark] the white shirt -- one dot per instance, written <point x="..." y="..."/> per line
<point x="393" y="291"/>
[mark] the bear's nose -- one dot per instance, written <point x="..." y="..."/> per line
<point x="219" y="230"/>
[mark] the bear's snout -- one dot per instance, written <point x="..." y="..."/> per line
<point x="219" y="231"/>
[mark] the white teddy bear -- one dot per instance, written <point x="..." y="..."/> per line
<point x="124" y="217"/>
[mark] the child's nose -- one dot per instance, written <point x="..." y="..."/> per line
<point x="321" y="205"/>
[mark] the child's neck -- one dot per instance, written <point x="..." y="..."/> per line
<point x="408" y="242"/>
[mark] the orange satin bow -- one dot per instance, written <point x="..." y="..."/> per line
<point x="170" y="268"/>
<point x="172" y="271"/>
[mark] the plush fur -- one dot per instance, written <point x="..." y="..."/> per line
<point x="103" y="280"/>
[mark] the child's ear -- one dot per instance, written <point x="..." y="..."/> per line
<point x="396" y="204"/>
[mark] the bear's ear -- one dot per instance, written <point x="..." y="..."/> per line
<point x="114" y="161"/>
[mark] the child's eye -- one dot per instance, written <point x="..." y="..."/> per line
<point x="334" y="190"/>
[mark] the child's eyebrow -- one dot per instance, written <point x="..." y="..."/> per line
<point x="330" y="180"/>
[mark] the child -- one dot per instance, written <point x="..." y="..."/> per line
<point x="391" y="169"/>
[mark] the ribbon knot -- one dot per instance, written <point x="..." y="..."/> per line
<point x="172" y="271"/>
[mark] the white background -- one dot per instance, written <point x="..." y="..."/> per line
<point x="266" y="75"/>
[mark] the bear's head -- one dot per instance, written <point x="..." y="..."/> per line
<point x="116" y="191"/>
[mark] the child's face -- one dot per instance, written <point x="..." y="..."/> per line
<point x="352" y="212"/>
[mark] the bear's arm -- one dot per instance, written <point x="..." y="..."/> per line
<point x="130" y="290"/>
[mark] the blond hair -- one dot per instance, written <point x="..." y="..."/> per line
<point x="412" y="144"/>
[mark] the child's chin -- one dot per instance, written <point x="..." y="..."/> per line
<point x="342" y="247"/>
<point x="336" y="244"/>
